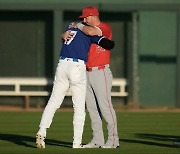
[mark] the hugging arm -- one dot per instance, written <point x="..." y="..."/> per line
<point x="103" y="42"/>
<point x="106" y="43"/>
<point x="87" y="29"/>
<point x="100" y="40"/>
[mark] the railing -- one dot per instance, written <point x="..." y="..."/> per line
<point x="17" y="89"/>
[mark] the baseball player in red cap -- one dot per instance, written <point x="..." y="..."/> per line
<point x="99" y="75"/>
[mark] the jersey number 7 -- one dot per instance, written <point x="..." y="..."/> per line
<point x="73" y="34"/>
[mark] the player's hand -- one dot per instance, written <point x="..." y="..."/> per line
<point x="66" y="35"/>
<point x="74" y="24"/>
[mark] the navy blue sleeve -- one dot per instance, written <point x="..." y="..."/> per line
<point x="103" y="42"/>
<point x="96" y="39"/>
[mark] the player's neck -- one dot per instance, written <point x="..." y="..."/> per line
<point x="96" y="22"/>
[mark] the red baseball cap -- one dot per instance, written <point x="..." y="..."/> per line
<point x="89" y="11"/>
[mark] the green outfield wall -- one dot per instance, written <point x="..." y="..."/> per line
<point x="146" y="33"/>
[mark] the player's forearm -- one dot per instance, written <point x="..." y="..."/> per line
<point x="89" y="30"/>
<point x="106" y="43"/>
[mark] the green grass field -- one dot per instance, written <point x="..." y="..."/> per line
<point x="139" y="133"/>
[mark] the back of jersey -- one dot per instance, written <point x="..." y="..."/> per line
<point x="76" y="47"/>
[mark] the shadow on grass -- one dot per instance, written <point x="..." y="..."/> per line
<point x="155" y="140"/>
<point x="27" y="140"/>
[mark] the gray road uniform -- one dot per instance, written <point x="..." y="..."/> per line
<point x="98" y="96"/>
<point x="98" y="101"/>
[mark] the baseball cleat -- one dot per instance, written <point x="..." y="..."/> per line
<point x="109" y="145"/>
<point x="40" y="143"/>
<point x="77" y="146"/>
<point x="91" y="145"/>
<point x="105" y="146"/>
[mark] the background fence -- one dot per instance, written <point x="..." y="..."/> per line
<point x="146" y="33"/>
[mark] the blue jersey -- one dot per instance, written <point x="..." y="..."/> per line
<point x="78" y="46"/>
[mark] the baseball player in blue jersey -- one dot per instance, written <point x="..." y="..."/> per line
<point x="70" y="73"/>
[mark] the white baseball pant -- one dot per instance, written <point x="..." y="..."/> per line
<point x="69" y="74"/>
